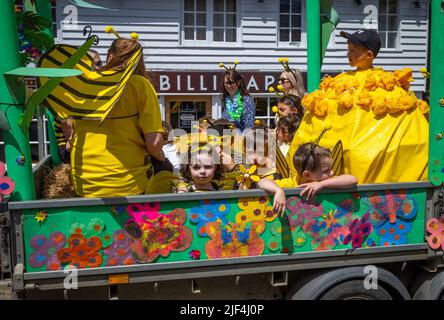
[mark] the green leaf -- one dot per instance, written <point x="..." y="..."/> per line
<point x="39" y="39"/>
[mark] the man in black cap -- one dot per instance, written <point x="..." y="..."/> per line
<point x="363" y="47"/>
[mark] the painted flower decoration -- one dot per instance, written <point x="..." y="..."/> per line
<point x="285" y="239"/>
<point x="208" y="211"/>
<point x="394" y="233"/>
<point x="255" y="208"/>
<point x="359" y="230"/>
<point x="142" y="212"/>
<point x="234" y="240"/>
<point x="160" y="236"/>
<point x="389" y="206"/>
<point x="41" y="217"/>
<point x="437" y="171"/>
<point x="329" y="230"/>
<point x="436" y="229"/>
<point x="195" y="254"/>
<point x="20" y="160"/>
<point x="96" y="227"/>
<point x="6" y="184"/>
<point x="45" y="251"/>
<point x="119" y="253"/>
<point x="247" y="176"/>
<point x="81" y="252"/>
<point x="301" y="212"/>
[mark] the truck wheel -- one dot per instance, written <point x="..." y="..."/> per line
<point x="354" y="290"/>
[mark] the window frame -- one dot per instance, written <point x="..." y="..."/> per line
<point x="209" y="42"/>
<point x="270" y="115"/>
<point x="397" y="47"/>
<point x="298" y="44"/>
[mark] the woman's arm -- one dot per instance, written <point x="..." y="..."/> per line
<point x="154" y="144"/>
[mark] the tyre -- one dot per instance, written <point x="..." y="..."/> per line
<point x="354" y="290"/>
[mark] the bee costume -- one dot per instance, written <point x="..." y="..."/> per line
<point x="112" y="111"/>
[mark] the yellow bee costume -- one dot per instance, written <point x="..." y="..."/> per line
<point x="381" y="125"/>
<point x="108" y="156"/>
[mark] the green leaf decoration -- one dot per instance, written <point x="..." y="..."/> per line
<point x="31" y="20"/>
<point x="38" y="39"/>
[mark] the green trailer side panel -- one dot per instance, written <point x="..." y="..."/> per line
<point x="212" y="229"/>
<point x="436" y="132"/>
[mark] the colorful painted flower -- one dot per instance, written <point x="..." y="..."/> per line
<point x="358" y="231"/>
<point x="394" y="233"/>
<point x="256" y="208"/>
<point x="96" y="227"/>
<point x="329" y="230"/>
<point x="437" y="171"/>
<point x="388" y="206"/>
<point x="45" y="251"/>
<point x="285" y="239"/>
<point x="142" y="212"/>
<point x="20" y="160"/>
<point x="234" y="240"/>
<point x="6" y="183"/>
<point x="208" y="211"/>
<point x="81" y="252"/>
<point x="195" y="254"/>
<point x="436" y="229"/>
<point x="160" y="236"/>
<point x="41" y="217"/>
<point x="247" y="176"/>
<point x="300" y="212"/>
<point x="119" y="253"/>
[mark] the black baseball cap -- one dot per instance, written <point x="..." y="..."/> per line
<point x="364" y="37"/>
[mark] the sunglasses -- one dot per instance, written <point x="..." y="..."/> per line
<point x="284" y="80"/>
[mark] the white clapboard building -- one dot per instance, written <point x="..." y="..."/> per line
<point x="185" y="40"/>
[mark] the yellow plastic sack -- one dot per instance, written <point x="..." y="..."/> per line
<point x="380" y="123"/>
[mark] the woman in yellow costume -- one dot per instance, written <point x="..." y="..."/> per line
<point x="113" y="158"/>
<point x="380" y="122"/>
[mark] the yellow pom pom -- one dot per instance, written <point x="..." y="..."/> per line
<point x="271" y="89"/>
<point x="257" y="122"/>
<point x="109" y="29"/>
<point x="275" y="109"/>
<point x="286" y="59"/>
<point x="134" y="36"/>
<point x="221" y="65"/>
<point x="205" y="121"/>
<point x="423" y="70"/>
<point x="280" y="60"/>
<point x="280" y="87"/>
<point x="236" y="62"/>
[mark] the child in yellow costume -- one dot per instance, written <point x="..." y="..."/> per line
<point x="380" y="123"/>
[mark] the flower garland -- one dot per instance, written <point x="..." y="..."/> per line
<point x="235" y="109"/>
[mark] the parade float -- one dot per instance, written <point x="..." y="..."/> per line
<point x="314" y="249"/>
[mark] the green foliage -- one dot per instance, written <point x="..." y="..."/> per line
<point x="32" y="21"/>
<point x="38" y="39"/>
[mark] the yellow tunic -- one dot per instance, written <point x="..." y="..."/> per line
<point x="382" y="127"/>
<point x="109" y="160"/>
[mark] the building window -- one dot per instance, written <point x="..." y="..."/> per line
<point x="224" y="21"/>
<point x="210" y="21"/>
<point x="263" y="109"/>
<point x="195" y="20"/>
<point x="290" y="20"/>
<point x="388" y="23"/>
